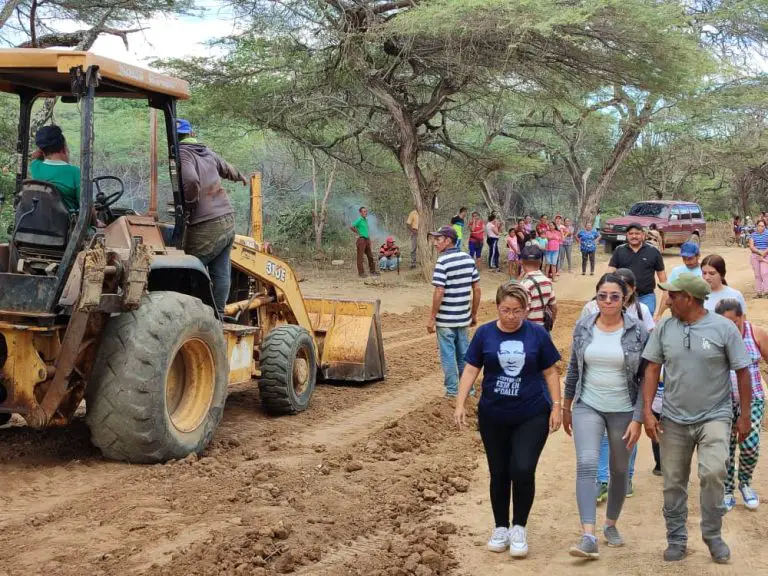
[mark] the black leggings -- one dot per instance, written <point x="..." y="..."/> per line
<point x="493" y="252"/>
<point x="587" y="256"/>
<point x="513" y="450"/>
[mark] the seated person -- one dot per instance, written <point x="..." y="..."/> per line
<point x="50" y="163"/>
<point x="389" y="255"/>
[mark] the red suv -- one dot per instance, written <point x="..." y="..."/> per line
<point x="675" y="220"/>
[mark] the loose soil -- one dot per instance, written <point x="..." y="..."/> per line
<point x="371" y="480"/>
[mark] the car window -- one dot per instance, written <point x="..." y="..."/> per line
<point x="646" y="209"/>
<point x="685" y="212"/>
<point x="696" y="212"/>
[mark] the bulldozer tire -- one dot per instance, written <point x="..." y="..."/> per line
<point x="159" y="383"/>
<point x="288" y="370"/>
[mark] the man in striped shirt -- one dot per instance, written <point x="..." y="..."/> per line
<point x="454" y="305"/>
<point x="539" y="287"/>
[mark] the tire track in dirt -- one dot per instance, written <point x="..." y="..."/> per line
<point x="98" y="523"/>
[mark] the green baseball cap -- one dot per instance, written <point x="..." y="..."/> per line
<point x="694" y="285"/>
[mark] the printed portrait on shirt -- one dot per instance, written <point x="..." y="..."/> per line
<point x="511" y="357"/>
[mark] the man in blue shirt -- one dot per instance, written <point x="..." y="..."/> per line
<point x="689" y="252"/>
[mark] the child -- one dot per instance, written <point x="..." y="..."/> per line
<point x="554" y="237"/>
<point x="513" y="253"/>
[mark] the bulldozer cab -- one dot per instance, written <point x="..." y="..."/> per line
<point x="123" y="318"/>
<point x="46" y="240"/>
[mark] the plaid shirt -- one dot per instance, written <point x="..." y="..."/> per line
<point x="753" y="351"/>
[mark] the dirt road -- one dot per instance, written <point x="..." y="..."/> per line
<point x="371" y="480"/>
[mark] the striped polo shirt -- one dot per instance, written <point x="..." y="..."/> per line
<point x="536" y="311"/>
<point x="455" y="272"/>
<point x="760" y="240"/>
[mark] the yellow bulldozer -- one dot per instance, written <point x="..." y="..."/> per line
<point x="123" y="318"/>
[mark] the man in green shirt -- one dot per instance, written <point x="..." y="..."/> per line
<point x="360" y="229"/>
<point x="50" y="163"/>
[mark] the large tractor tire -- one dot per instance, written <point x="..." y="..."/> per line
<point x="159" y="382"/>
<point x="288" y="370"/>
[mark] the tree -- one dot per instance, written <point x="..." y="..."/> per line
<point x="338" y="76"/>
<point x="320" y="211"/>
<point x="38" y="22"/>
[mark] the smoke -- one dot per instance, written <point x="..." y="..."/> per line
<point x="377" y="230"/>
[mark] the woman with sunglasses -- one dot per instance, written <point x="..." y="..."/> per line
<point x="640" y="312"/>
<point x="602" y="393"/>
<point x="632" y="306"/>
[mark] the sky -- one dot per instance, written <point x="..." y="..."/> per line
<point x="163" y="37"/>
<point x="170" y="37"/>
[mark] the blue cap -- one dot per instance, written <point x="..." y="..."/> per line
<point x="183" y="126"/>
<point x="689" y="249"/>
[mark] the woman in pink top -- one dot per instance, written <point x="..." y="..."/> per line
<point x="554" y="238"/>
<point x="513" y="254"/>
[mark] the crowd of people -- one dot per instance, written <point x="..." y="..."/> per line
<point x="690" y="379"/>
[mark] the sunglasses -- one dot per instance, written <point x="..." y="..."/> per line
<point x="613" y="297"/>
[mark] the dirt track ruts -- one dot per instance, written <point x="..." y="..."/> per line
<point x="270" y="494"/>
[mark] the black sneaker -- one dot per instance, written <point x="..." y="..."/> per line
<point x="656" y="471"/>
<point x="719" y="550"/>
<point x="675" y="552"/>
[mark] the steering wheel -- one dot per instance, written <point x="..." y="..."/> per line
<point x="104" y="201"/>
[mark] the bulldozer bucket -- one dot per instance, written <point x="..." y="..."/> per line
<point x="348" y="334"/>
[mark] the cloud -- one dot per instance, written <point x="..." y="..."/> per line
<point x="168" y="38"/>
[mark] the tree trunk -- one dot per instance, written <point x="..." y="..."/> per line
<point x="591" y="201"/>
<point x="407" y="152"/>
<point x="423" y="196"/>
<point x="491" y="195"/>
<point x="320" y="213"/>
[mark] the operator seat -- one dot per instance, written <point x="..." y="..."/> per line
<point x="41" y="230"/>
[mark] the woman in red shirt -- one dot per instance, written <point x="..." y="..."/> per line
<point x="476" y="237"/>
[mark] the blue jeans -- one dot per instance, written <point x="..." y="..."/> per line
<point x="453" y="344"/>
<point x="603" y="475"/>
<point x="649" y="300"/>
<point x="388" y="263"/>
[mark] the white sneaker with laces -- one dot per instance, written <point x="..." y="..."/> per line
<point x="729" y="502"/>
<point x="499" y="541"/>
<point x="518" y="542"/>
<point x="751" y="501"/>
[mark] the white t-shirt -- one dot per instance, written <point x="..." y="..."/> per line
<point x="490" y="230"/>
<point x="722" y="294"/>
<point x="591" y="308"/>
<point x="605" y="380"/>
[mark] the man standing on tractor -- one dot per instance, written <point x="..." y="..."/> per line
<point x="211" y="230"/>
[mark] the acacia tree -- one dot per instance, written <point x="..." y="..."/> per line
<point x="340" y="75"/>
<point x="37" y="23"/>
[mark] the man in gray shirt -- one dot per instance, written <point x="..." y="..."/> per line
<point x="697" y="350"/>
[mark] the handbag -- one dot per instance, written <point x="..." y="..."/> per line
<point x="549" y="322"/>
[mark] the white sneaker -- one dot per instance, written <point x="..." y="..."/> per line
<point x="499" y="541"/>
<point x="729" y="502"/>
<point x="518" y="543"/>
<point x="751" y="501"/>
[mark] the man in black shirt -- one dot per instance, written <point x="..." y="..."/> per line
<point x="644" y="260"/>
